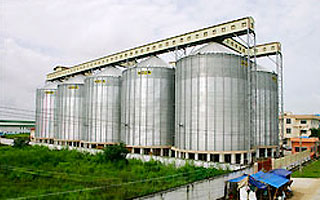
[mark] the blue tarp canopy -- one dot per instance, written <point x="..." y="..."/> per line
<point x="257" y="184"/>
<point x="281" y="172"/>
<point x="270" y="179"/>
<point x="236" y="180"/>
<point x="251" y="181"/>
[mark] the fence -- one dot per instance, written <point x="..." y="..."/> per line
<point x="291" y="161"/>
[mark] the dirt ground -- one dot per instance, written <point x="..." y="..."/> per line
<point x="306" y="188"/>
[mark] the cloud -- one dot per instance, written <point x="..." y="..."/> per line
<point x="38" y="35"/>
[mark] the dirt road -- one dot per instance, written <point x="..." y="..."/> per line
<point x="306" y="188"/>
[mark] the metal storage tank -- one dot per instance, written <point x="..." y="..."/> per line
<point x="267" y="109"/>
<point x="45" y="109"/>
<point x="102" y="106"/>
<point x="211" y="101"/>
<point x="147" y="104"/>
<point x="69" y="109"/>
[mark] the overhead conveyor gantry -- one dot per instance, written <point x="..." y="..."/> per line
<point x="214" y="33"/>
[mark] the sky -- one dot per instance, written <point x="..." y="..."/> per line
<point x="37" y="35"/>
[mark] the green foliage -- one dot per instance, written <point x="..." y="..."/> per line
<point x="315" y="132"/>
<point x="20" y="142"/>
<point x="115" y="153"/>
<point x="310" y="171"/>
<point x="21" y="135"/>
<point x="36" y="170"/>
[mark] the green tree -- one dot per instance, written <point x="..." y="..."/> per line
<point x="115" y="153"/>
<point x="315" y="132"/>
<point x="20" y="142"/>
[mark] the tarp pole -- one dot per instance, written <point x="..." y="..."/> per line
<point x="269" y="192"/>
<point x="275" y="194"/>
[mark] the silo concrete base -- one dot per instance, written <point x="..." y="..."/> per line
<point x="232" y="157"/>
<point x="96" y="145"/>
<point x="266" y="151"/>
<point x="44" y="140"/>
<point x="151" y="150"/>
<point x="71" y="143"/>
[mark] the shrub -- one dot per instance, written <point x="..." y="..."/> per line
<point x="115" y="153"/>
<point x="20" y="142"/>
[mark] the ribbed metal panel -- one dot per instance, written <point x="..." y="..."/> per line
<point x="267" y="109"/>
<point x="212" y="103"/>
<point x="69" y="110"/>
<point x="45" y="109"/>
<point x="147" y="104"/>
<point x="102" y="107"/>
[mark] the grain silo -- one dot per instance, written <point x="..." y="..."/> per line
<point x="211" y="106"/>
<point x="147" y="107"/>
<point x="102" y="107"/>
<point x="69" y="111"/>
<point x="45" y="102"/>
<point x="267" y="138"/>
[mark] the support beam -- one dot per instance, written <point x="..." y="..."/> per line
<point x="242" y="159"/>
<point x="196" y="156"/>
<point x="233" y="158"/>
<point x="221" y="158"/>
<point x="267" y="49"/>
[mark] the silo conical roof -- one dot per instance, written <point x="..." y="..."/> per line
<point x="261" y="68"/>
<point x="50" y="85"/>
<point x="109" y="71"/>
<point x="79" y="79"/>
<point x="153" y="61"/>
<point x="214" y="47"/>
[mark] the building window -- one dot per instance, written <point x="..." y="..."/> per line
<point x="288" y="121"/>
<point x="288" y="130"/>
<point x="303" y="131"/>
<point x="302" y="149"/>
<point x="303" y="122"/>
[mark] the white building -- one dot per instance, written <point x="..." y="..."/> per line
<point x="298" y="124"/>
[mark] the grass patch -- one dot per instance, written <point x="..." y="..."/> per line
<point x="312" y="170"/>
<point x="34" y="171"/>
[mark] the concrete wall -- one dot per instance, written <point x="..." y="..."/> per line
<point x="6" y="141"/>
<point x="206" y="189"/>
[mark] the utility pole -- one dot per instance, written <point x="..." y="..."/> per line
<point x="300" y="151"/>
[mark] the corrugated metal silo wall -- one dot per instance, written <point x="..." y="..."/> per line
<point x="212" y="103"/>
<point x="45" y="109"/>
<point x="147" y="106"/>
<point x="102" y="109"/>
<point x="267" y="109"/>
<point x="69" y="112"/>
